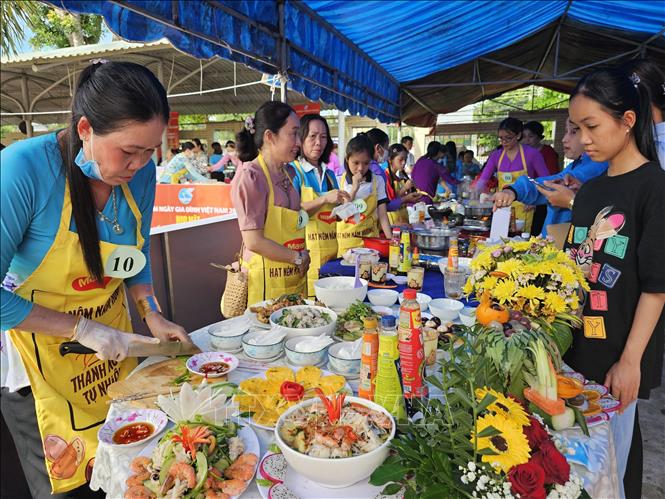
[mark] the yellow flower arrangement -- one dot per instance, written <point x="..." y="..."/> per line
<point x="504" y="406"/>
<point x="532" y="277"/>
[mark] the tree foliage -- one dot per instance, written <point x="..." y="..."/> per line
<point x="56" y="28"/>
<point x="14" y="16"/>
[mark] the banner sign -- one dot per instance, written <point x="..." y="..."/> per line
<point x="181" y="203"/>
<point x="303" y="109"/>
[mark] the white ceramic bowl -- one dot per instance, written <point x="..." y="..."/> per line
<point x="345" y="367"/>
<point x="382" y="297"/>
<point x="227" y="335"/>
<point x="338" y="292"/>
<point x="335" y="473"/>
<point x="304" y="358"/>
<point x="468" y="316"/>
<point x="446" y="309"/>
<point x="292" y="332"/>
<point x="261" y="351"/>
<point x="422" y="299"/>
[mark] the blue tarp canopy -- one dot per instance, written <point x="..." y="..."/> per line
<point x="402" y="59"/>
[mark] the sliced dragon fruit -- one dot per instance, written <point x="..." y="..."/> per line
<point x="273" y="468"/>
<point x="281" y="491"/>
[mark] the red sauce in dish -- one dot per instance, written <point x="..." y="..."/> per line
<point x="133" y="433"/>
<point x="214" y="368"/>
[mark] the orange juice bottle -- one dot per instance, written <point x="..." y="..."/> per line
<point x="369" y="359"/>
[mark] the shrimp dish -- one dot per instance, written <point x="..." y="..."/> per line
<point x="335" y="429"/>
<point x="195" y="460"/>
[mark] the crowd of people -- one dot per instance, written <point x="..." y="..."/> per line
<point x="84" y="195"/>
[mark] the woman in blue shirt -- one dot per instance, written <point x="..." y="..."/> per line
<point x="76" y="212"/>
<point x="319" y="193"/>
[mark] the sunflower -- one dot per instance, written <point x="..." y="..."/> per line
<point x="555" y="303"/>
<point x="504" y="406"/>
<point x="511" y="446"/>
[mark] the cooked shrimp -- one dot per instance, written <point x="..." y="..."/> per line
<point x="378" y="418"/>
<point x="233" y="487"/>
<point x="138" y="492"/>
<point x="185" y="473"/>
<point x="135" y="480"/>
<point x="242" y="472"/>
<point x="247" y="458"/>
<point x="216" y="494"/>
<point x="212" y="443"/>
<point x="140" y="466"/>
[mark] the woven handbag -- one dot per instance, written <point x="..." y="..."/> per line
<point x="234" y="298"/>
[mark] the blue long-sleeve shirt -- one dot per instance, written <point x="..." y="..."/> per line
<point x="32" y="187"/>
<point x="583" y="169"/>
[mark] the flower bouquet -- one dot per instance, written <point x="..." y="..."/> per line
<point x="528" y="279"/>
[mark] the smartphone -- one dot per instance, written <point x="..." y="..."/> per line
<point x="539" y="184"/>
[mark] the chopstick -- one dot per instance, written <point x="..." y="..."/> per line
<point x="144" y="395"/>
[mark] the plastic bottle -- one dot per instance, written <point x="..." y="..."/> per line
<point x="416" y="257"/>
<point x="412" y="353"/>
<point x="404" y="253"/>
<point x="368" y="359"/>
<point x="393" y="258"/>
<point x="453" y="254"/>
<point x="388" y="392"/>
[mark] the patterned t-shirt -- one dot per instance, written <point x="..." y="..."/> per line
<point x="617" y="236"/>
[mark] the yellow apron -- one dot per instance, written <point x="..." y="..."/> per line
<point x="321" y="231"/>
<point x="509" y="178"/>
<point x="70" y="392"/>
<point x="400" y="216"/>
<point x="269" y="279"/>
<point x="350" y="234"/>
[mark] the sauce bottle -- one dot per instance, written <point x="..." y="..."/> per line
<point x="393" y="258"/>
<point x="404" y="253"/>
<point x="368" y="359"/>
<point x="412" y="353"/>
<point x="453" y="254"/>
<point x="388" y="392"/>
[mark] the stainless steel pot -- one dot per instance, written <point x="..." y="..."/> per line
<point x="434" y="239"/>
<point x="478" y="210"/>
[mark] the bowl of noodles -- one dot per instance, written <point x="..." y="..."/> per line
<point x="335" y="441"/>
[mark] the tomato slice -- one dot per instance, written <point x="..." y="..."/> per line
<point x="292" y="391"/>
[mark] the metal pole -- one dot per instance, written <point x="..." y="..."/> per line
<point x="25" y="97"/>
<point x="283" y="69"/>
<point x="160" y="77"/>
<point x="283" y="79"/>
<point x="341" y="135"/>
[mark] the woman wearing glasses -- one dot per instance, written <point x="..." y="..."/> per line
<point x="511" y="162"/>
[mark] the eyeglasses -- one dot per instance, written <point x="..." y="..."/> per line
<point x="507" y="138"/>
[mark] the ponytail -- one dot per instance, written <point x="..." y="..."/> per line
<point x="271" y="116"/>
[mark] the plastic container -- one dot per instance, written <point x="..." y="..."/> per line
<point x="388" y="392"/>
<point x="412" y="353"/>
<point x="368" y="359"/>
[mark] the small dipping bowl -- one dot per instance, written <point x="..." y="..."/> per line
<point x="345" y="367"/>
<point x="382" y="297"/>
<point x="227" y="335"/>
<point x="446" y="309"/>
<point x="261" y="351"/>
<point x="468" y="316"/>
<point x="304" y="358"/>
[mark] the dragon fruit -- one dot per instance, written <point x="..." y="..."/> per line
<point x="273" y="468"/>
<point x="280" y="491"/>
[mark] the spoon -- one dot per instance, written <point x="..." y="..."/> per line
<point x="357" y="283"/>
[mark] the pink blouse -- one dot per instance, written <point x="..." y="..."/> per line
<point x="249" y="194"/>
<point x="535" y="165"/>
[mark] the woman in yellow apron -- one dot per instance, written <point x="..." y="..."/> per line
<point x="367" y="192"/>
<point x="75" y="237"/>
<point x="319" y="193"/>
<point x="268" y="207"/>
<point x="511" y="162"/>
<point x="398" y="186"/>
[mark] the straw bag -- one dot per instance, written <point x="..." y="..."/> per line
<point x="234" y="298"/>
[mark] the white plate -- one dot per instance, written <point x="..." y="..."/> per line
<point x="195" y="362"/>
<point x="153" y="416"/>
<point x="305" y="488"/>
<point x="246" y="434"/>
<point x="251" y="316"/>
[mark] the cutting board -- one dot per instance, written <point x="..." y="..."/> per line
<point x="156" y="379"/>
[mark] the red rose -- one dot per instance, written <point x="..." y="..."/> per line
<point x="554" y="464"/>
<point x="528" y="480"/>
<point x="535" y="434"/>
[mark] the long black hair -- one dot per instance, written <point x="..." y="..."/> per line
<point x="272" y="115"/>
<point x="618" y="91"/>
<point x="378" y="137"/>
<point x="394" y="151"/>
<point x="652" y="78"/>
<point x="110" y="95"/>
<point x="512" y="125"/>
<point x="304" y="132"/>
<point x="433" y="149"/>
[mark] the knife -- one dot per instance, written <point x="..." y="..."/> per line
<point x="166" y="349"/>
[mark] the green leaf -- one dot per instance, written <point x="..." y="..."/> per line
<point x="262" y="482"/>
<point x="485" y="402"/>
<point x="581" y="420"/>
<point x="275" y="449"/>
<point x="487" y="452"/>
<point x="584" y="495"/>
<point x="391" y="489"/>
<point x="387" y="473"/>
<point x="490" y="431"/>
